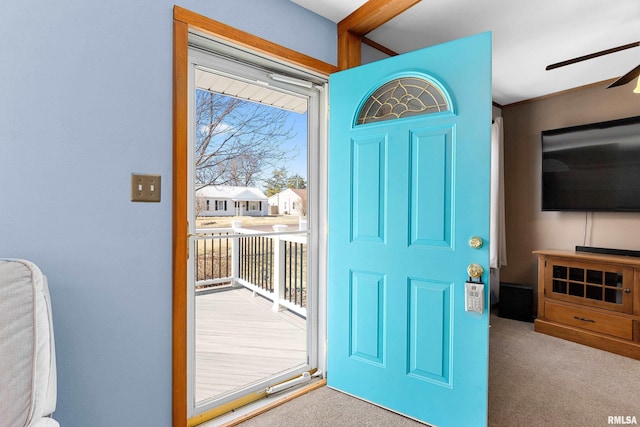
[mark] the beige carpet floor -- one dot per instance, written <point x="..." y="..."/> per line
<point x="534" y="381"/>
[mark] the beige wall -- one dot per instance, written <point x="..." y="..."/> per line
<point x="528" y="228"/>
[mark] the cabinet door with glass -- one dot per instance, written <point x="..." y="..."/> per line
<point x="603" y="285"/>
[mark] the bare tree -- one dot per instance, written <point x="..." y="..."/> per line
<point x="303" y="205"/>
<point x="236" y="140"/>
<point x="201" y="205"/>
<point x="243" y="171"/>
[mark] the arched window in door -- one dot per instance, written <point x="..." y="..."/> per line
<point x="403" y="97"/>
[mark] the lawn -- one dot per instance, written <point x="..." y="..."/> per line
<point x="260" y="222"/>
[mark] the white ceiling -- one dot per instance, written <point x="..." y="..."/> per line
<point x="528" y="35"/>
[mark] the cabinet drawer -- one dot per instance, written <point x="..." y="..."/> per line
<point x="587" y="319"/>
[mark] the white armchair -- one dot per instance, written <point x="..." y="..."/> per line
<point x="27" y="351"/>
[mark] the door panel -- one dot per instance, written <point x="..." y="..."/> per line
<point x="430" y="176"/>
<point x="405" y="197"/>
<point x="429" y="330"/>
<point x="368" y="187"/>
<point x="367" y="316"/>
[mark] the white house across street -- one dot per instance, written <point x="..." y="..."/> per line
<point x="291" y="201"/>
<point x="226" y="200"/>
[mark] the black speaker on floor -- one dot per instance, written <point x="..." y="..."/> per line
<point x="516" y="302"/>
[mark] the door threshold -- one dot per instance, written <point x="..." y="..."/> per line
<point x="261" y="406"/>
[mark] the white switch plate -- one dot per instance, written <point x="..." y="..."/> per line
<point x="145" y="188"/>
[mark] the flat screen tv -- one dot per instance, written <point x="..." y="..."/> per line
<point x="594" y="167"/>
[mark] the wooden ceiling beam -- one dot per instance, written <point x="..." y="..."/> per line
<point x="349" y="50"/>
<point x="379" y="47"/>
<point x="372" y="15"/>
<point x="362" y="21"/>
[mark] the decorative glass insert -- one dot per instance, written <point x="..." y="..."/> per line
<point x="595" y="285"/>
<point x="403" y="97"/>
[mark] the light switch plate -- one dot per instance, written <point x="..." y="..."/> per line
<point x="145" y="188"/>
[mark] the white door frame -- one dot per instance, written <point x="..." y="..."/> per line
<point x="206" y="52"/>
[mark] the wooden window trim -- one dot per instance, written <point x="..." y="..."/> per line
<point x="251" y="42"/>
<point x="180" y="228"/>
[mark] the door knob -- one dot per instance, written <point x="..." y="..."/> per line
<point x="475" y="271"/>
<point x="475" y="242"/>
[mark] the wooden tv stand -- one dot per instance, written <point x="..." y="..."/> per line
<point x="591" y="299"/>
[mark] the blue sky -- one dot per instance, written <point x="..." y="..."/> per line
<point x="298" y="144"/>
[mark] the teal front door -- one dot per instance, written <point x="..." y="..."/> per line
<point x="409" y="168"/>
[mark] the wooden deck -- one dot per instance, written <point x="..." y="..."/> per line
<point x="240" y="340"/>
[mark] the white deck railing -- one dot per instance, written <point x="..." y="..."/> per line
<point x="271" y="264"/>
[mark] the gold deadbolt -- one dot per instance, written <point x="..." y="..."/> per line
<point x="475" y="242"/>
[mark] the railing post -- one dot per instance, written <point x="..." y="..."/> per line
<point x="278" y="267"/>
<point x="235" y="254"/>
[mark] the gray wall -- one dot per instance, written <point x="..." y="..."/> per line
<point x="85" y="100"/>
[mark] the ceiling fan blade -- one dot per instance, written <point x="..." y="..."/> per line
<point x="626" y="78"/>
<point x="592" y="55"/>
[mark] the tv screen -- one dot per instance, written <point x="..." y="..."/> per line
<point x="594" y="167"/>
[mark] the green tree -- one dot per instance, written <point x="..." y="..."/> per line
<point x="277" y="182"/>
<point x="296" y="181"/>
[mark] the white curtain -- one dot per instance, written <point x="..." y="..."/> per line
<point x="498" y="247"/>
